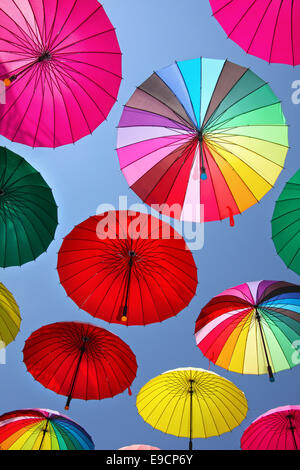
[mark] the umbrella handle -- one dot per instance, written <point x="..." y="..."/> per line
<point x="271" y="376"/>
<point x="231" y="219"/>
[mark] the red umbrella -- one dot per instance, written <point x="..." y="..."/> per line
<point x="128" y="268"/>
<point x="80" y="360"/>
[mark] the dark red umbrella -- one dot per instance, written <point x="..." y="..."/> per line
<point x="128" y="268"/>
<point x="80" y="360"/>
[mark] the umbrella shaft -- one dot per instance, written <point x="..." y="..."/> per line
<point x="128" y="285"/>
<point x="44" y="434"/>
<point x="264" y="346"/>
<point x="191" y="416"/>
<point x="292" y="428"/>
<point x="75" y="377"/>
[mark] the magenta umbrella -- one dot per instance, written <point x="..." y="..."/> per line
<point x="278" y="429"/>
<point x="268" y="29"/>
<point x="61" y="63"/>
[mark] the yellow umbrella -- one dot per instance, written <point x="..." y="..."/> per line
<point x="191" y="403"/>
<point x="10" y="318"/>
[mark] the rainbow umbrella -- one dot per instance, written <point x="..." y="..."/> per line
<point x="278" y="429"/>
<point x="10" y="318"/>
<point x="286" y="224"/>
<point x="39" y="429"/>
<point x="28" y="212"/>
<point x="202" y="133"/>
<point x="251" y="328"/>
<point x="268" y="29"/>
<point x="61" y="62"/>
<point x="192" y="403"/>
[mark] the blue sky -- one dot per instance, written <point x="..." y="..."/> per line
<point x="151" y="35"/>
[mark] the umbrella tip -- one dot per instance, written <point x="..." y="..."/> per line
<point x="66" y="408"/>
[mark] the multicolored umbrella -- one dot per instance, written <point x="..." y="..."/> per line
<point x="139" y="447"/>
<point x="28" y="211"/>
<point x="286" y="224"/>
<point x="38" y="429"/>
<point x="267" y="29"/>
<point x="10" y="318"/>
<point x="80" y="360"/>
<point x="191" y="403"/>
<point x="278" y="429"/>
<point x="251" y="328"/>
<point x="128" y="268"/>
<point x="61" y="62"/>
<point x="202" y="132"/>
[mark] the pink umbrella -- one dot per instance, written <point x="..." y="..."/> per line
<point x="139" y="447"/>
<point x="278" y="429"/>
<point x="268" y="29"/>
<point x="61" y="63"/>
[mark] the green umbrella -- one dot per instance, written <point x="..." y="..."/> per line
<point x="28" y="211"/>
<point x="286" y="224"/>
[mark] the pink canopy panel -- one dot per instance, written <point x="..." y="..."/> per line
<point x="139" y="447"/>
<point x="268" y="29"/>
<point x="61" y="63"/>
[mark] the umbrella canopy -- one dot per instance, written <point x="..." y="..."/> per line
<point x="139" y="447"/>
<point x="79" y="360"/>
<point x="202" y="133"/>
<point x="191" y="403"/>
<point x="61" y="62"/>
<point x="10" y="318"/>
<point x="127" y="267"/>
<point x="267" y="29"/>
<point x="28" y="211"/>
<point x="251" y="328"/>
<point x="39" y="429"/>
<point x="286" y="224"/>
<point x="278" y="429"/>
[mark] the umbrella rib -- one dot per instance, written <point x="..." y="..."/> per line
<point x="35" y="37"/>
<point x="207" y="165"/>
<point x="184" y="128"/>
<point x="77" y="27"/>
<point x="259" y="25"/>
<point x="274" y="32"/>
<point x="188" y="92"/>
<point x="63" y="72"/>
<point x="283" y="333"/>
<point x="190" y="123"/>
<point x="248" y="165"/>
<point x="176" y="144"/>
<point x="292" y="32"/>
<point x="41" y="109"/>
<point x="188" y="150"/>
<point x="71" y="69"/>
<point x="49" y="38"/>
<point x="35" y="22"/>
<point x="214" y="122"/>
<point x="11" y="107"/>
<point x="77" y="101"/>
<point x="242" y="17"/>
<point x="57" y="51"/>
<point x="287" y="226"/>
<point x="29" y="38"/>
<point x="250" y="191"/>
<point x="51" y="41"/>
<point x="223" y="6"/>
<point x="68" y="59"/>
